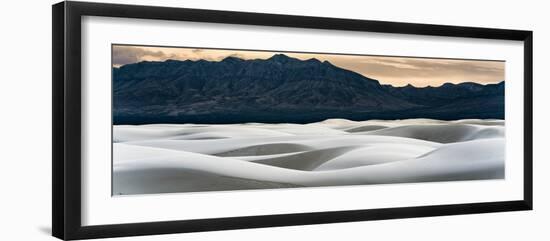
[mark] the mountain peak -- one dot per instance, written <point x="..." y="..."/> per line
<point x="171" y="60"/>
<point x="313" y="60"/>
<point x="447" y="84"/>
<point x="282" y="58"/>
<point x="469" y="83"/>
<point x="231" y="58"/>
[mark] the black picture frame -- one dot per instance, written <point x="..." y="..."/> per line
<point x="66" y="164"/>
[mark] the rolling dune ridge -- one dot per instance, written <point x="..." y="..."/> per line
<point x="164" y="158"/>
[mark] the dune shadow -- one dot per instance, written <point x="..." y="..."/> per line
<point x="265" y="149"/>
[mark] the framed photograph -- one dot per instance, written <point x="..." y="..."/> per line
<point x="169" y="120"/>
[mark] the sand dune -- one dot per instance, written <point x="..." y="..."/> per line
<point x="191" y="158"/>
<point x="441" y="133"/>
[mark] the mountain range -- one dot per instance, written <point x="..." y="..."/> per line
<point x="283" y="89"/>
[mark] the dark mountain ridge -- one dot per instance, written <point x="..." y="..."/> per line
<point x="281" y="89"/>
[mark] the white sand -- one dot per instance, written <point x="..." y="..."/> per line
<point x="191" y="158"/>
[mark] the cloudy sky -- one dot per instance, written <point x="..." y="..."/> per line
<point x="397" y="71"/>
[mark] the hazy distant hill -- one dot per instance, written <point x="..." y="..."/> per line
<point x="283" y="89"/>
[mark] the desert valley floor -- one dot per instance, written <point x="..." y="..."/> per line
<point x="164" y="158"/>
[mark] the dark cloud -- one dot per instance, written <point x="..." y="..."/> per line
<point x="432" y="67"/>
<point x="237" y="55"/>
<point x="127" y="54"/>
